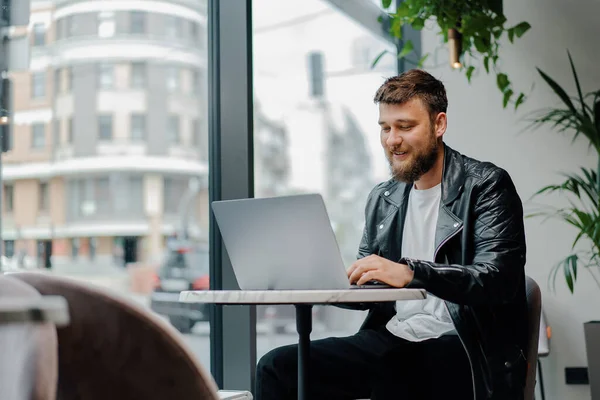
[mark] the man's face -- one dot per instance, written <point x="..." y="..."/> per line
<point x="409" y="139"/>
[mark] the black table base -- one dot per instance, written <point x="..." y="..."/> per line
<point x="304" y="328"/>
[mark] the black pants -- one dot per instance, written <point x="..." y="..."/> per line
<point x="372" y="364"/>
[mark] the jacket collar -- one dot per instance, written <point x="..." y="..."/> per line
<point x="453" y="179"/>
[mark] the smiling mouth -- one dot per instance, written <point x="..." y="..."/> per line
<point x="398" y="153"/>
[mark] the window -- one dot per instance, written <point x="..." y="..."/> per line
<point x="75" y="247"/>
<point x="44" y="200"/>
<point x="174" y="190"/>
<point x="38" y="136"/>
<point x="38" y="85"/>
<point x="105" y="76"/>
<point x="72" y="25"/>
<point x="69" y="85"/>
<point x="106" y="24"/>
<point x="70" y="132"/>
<point x="173" y="27"/>
<point x="194" y="35"/>
<point x="56" y="131"/>
<point x="39" y="34"/>
<point x="9" y="248"/>
<point x="93" y="247"/>
<point x="60" y="28"/>
<point x="138" y="127"/>
<point x="105" y="128"/>
<point x="196" y="82"/>
<point x="9" y="198"/>
<point x="173" y="79"/>
<point x="138" y="75"/>
<point x="173" y="129"/>
<point x="57" y="80"/>
<point x="194" y="140"/>
<point x="292" y="151"/>
<point x="137" y="22"/>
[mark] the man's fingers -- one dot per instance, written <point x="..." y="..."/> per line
<point x="359" y="271"/>
<point x="368" y="276"/>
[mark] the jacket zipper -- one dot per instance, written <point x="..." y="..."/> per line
<point x="448" y="310"/>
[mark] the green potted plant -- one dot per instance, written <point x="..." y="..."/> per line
<point x="580" y="116"/>
<point x="469" y="27"/>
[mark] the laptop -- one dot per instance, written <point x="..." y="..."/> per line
<point x="282" y="243"/>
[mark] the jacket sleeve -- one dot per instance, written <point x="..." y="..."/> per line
<point x="499" y="249"/>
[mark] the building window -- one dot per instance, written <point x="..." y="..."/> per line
<point x="39" y="34"/>
<point x="138" y="75"/>
<point x="173" y="79"/>
<point x="70" y="132"/>
<point x="173" y="129"/>
<point x="44" y="200"/>
<point x="173" y="27"/>
<point x="105" y="129"/>
<point x="60" y="26"/>
<point x="196" y="82"/>
<point x="71" y="26"/>
<point x="137" y="22"/>
<point x="173" y="191"/>
<point x="38" y="85"/>
<point x="69" y="87"/>
<point x="9" y="248"/>
<point x="57" y="132"/>
<point x="38" y="136"/>
<point x="75" y="247"/>
<point x="57" y="80"/>
<point x="93" y="247"/>
<point x="9" y="191"/>
<point x="138" y="127"/>
<point x="106" y="24"/>
<point x="195" y="139"/>
<point x="106" y="76"/>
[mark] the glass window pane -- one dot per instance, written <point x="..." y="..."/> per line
<point x="105" y="127"/>
<point x="38" y="136"/>
<point x="315" y="130"/>
<point x="39" y="34"/>
<point x="38" y="85"/>
<point x="86" y="215"/>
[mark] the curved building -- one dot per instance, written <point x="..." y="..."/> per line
<point x="110" y="131"/>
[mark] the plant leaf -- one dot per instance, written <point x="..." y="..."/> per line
<point x="418" y="24"/>
<point x="422" y="61"/>
<point x="470" y="73"/>
<point x="383" y="53"/>
<point x="480" y="44"/>
<point x="486" y="64"/>
<point x="560" y="92"/>
<point x="406" y="49"/>
<point x="577" y="85"/>
<point x="386" y="3"/>
<point x="521" y="28"/>
<point x="597" y="114"/>
<point x="520" y="100"/>
<point x="502" y="80"/>
<point x="511" y="34"/>
<point x="507" y="95"/>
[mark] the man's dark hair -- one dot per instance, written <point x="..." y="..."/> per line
<point x="414" y="83"/>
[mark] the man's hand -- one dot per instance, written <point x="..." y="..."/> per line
<point x="374" y="267"/>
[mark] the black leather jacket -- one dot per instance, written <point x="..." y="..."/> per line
<point x="478" y="268"/>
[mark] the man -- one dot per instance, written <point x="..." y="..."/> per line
<point x="446" y="223"/>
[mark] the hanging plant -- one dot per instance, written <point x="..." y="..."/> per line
<point x="473" y="27"/>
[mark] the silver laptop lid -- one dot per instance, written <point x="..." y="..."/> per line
<point x="281" y="243"/>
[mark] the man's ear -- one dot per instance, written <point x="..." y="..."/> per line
<point x="441" y="123"/>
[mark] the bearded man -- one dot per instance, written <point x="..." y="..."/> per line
<point x="446" y="223"/>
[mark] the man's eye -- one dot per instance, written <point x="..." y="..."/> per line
<point x="387" y="129"/>
<point x="405" y="127"/>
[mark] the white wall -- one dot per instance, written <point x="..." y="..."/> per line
<point x="479" y="127"/>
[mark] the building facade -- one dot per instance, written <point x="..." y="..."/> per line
<point x="110" y="132"/>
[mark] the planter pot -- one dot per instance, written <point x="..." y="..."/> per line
<point x="592" y="345"/>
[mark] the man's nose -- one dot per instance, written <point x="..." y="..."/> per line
<point x="394" y="138"/>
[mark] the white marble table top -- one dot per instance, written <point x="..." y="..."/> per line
<point x="52" y="309"/>
<point x="300" y="296"/>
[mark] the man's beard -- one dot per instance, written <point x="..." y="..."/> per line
<point x="420" y="162"/>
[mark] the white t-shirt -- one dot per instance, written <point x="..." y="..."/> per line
<point x="418" y="320"/>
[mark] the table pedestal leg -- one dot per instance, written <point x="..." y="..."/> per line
<point x="304" y="328"/>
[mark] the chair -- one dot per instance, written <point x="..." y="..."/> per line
<point x="534" y="309"/>
<point x="543" y="349"/>
<point x="116" y="349"/>
<point x="28" y="352"/>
